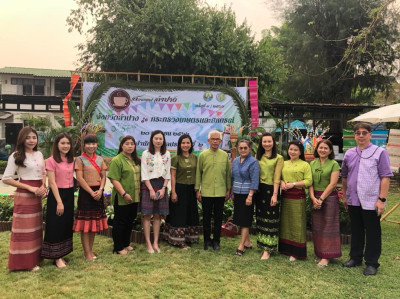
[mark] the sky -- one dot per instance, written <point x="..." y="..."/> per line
<point x="34" y="33"/>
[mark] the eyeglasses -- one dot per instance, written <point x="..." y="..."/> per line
<point x="243" y="148"/>
<point x="215" y="139"/>
<point x="363" y="133"/>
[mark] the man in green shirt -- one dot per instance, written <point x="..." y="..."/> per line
<point x="213" y="184"/>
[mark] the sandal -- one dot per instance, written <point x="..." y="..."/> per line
<point x="322" y="265"/>
<point x="248" y="247"/>
<point x="239" y="252"/>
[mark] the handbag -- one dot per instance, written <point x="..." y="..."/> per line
<point x="228" y="229"/>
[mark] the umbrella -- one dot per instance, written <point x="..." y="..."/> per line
<point x="389" y="113"/>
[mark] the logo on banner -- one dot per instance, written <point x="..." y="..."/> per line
<point x="208" y="96"/>
<point x="119" y="100"/>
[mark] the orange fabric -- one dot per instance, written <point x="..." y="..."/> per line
<point x="67" y="115"/>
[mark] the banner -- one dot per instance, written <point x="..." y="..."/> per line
<point x="67" y="115"/>
<point x="253" y="94"/>
<point x="138" y="112"/>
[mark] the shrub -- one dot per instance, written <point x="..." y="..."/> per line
<point x="6" y="208"/>
<point x="3" y="165"/>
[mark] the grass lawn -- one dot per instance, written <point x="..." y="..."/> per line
<point x="204" y="274"/>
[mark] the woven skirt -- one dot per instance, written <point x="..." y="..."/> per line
<point x="182" y="223"/>
<point x="326" y="227"/>
<point x="292" y="231"/>
<point x="58" y="234"/>
<point x="148" y="206"/>
<point x="90" y="215"/>
<point x="27" y="229"/>
<point x="267" y="219"/>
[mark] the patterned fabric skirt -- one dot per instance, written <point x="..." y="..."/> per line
<point x="267" y="219"/>
<point x="149" y="206"/>
<point x="58" y="234"/>
<point x="292" y="231"/>
<point x="182" y="223"/>
<point x="242" y="214"/>
<point x="326" y="227"/>
<point x="27" y="229"/>
<point x="90" y="215"/>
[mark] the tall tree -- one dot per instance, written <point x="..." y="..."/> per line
<point x="171" y="36"/>
<point x="338" y="51"/>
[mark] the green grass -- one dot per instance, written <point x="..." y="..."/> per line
<point x="204" y="274"/>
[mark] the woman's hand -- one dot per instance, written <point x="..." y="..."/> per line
<point x="289" y="186"/>
<point x="152" y="194"/>
<point x="283" y="185"/>
<point x="60" y="208"/>
<point x="174" y="197"/>
<point x="97" y="194"/>
<point x="249" y="200"/>
<point x="345" y="203"/>
<point x="317" y="203"/>
<point x="161" y="193"/>
<point x="274" y="200"/>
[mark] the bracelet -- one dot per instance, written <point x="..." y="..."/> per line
<point x="251" y="195"/>
<point x="165" y="187"/>
<point x="123" y="194"/>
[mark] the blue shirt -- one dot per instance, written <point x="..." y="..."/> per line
<point x="245" y="175"/>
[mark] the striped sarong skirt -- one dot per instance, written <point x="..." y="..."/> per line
<point x="27" y="229"/>
<point x="326" y="227"/>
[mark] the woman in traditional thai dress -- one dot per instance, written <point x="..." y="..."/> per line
<point x="26" y="230"/>
<point x="155" y="170"/>
<point x="90" y="216"/>
<point x="296" y="176"/>
<point x="325" y="213"/>
<point x="60" y="201"/>
<point x="182" y="224"/>
<point x="267" y="204"/>
<point x="245" y="177"/>
<point x="124" y="174"/>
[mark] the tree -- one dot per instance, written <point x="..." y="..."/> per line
<point x="338" y="51"/>
<point x="169" y="36"/>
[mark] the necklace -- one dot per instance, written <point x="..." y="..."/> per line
<point x="360" y="155"/>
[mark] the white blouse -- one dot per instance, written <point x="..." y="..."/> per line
<point x="155" y="166"/>
<point x="34" y="170"/>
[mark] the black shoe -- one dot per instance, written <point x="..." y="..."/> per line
<point x="216" y="246"/>
<point x="207" y="244"/>
<point x="351" y="263"/>
<point x="370" y="270"/>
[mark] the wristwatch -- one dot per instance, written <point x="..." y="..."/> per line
<point x="382" y="199"/>
<point x="294" y="184"/>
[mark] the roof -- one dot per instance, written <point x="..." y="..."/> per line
<point x="36" y="72"/>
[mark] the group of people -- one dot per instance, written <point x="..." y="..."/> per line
<point x="266" y="185"/>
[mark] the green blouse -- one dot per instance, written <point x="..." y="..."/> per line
<point x="297" y="171"/>
<point x="271" y="170"/>
<point x="322" y="173"/>
<point x="185" y="169"/>
<point x="124" y="170"/>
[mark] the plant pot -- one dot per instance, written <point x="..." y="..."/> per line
<point x="5" y="226"/>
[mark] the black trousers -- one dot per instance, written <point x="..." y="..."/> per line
<point x="122" y="224"/>
<point x="212" y="205"/>
<point x="365" y="231"/>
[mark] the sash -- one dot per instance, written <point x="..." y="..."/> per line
<point x="92" y="161"/>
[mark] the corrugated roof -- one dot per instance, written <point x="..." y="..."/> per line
<point x="36" y="72"/>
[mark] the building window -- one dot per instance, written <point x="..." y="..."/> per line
<point x="27" y="90"/>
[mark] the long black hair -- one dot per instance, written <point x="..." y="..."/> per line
<point x="134" y="155"/>
<point x="261" y="150"/>
<point x="163" y="148"/>
<point x="300" y="146"/>
<point x="179" y="149"/>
